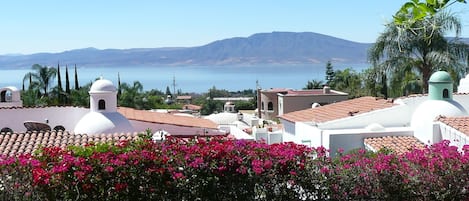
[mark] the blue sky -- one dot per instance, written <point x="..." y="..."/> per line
<point x="56" y="26"/>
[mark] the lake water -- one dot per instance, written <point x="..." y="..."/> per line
<point x="195" y="78"/>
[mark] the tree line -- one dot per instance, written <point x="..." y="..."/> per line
<point x="405" y="55"/>
<point x="39" y="90"/>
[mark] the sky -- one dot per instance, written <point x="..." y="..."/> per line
<point x="55" y="25"/>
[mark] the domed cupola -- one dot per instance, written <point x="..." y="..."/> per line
<point x="103" y="96"/>
<point x="440" y="86"/>
<point x="103" y="116"/>
<point x="440" y="102"/>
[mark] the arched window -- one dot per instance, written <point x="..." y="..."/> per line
<point x="59" y="128"/>
<point x="3" y="96"/>
<point x="6" y="130"/>
<point x="101" y="104"/>
<point x="270" y="106"/>
<point x="445" y="93"/>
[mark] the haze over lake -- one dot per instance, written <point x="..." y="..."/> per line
<point x="195" y="78"/>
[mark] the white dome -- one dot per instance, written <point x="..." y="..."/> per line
<point x="426" y="113"/>
<point x="11" y="88"/>
<point x="98" y="123"/>
<point x="102" y="85"/>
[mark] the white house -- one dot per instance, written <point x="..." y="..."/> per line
<point x="408" y="121"/>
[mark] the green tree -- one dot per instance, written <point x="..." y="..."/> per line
<point x="67" y="82"/>
<point x="131" y="94"/>
<point x="168" y="92"/>
<point x="348" y="81"/>
<point x="330" y="73"/>
<point x="314" y="84"/>
<point x="81" y="96"/>
<point x="59" y="79"/>
<point x="43" y="76"/>
<point x="77" y="87"/>
<point x="415" y="11"/>
<point x="424" y="50"/>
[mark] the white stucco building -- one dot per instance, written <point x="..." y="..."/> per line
<point x="103" y="116"/>
<point x="351" y="124"/>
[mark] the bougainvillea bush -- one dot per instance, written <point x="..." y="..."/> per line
<point x="220" y="169"/>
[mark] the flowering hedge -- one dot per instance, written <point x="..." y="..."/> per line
<point x="217" y="169"/>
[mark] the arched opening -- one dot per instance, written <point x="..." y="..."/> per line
<point x="3" y="95"/>
<point x="6" y="130"/>
<point x="101" y="104"/>
<point x="445" y="93"/>
<point x="59" y="128"/>
<point x="270" y="106"/>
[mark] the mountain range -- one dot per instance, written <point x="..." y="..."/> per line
<point x="261" y="48"/>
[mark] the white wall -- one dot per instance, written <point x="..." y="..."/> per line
<point x="68" y="117"/>
<point x="354" y="138"/>
<point x="397" y="116"/>
<point x="455" y="137"/>
<point x="305" y="132"/>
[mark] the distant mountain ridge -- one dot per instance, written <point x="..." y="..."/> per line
<point x="261" y="48"/>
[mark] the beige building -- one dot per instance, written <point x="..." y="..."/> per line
<point x="274" y="102"/>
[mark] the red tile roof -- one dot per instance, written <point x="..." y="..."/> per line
<point x="459" y="123"/>
<point x="163" y="118"/>
<point x="310" y="92"/>
<point x="292" y="92"/>
<point x="192" y="107"/>
<point x="399" y="144"/>
<point x="18" y="143"/>
<point x="183" y="97"/>
<point x="338" y="110"/>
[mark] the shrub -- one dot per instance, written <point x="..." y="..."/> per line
<point x="219" y="169"/>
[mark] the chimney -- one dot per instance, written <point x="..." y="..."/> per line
<point x="326" y="90"/>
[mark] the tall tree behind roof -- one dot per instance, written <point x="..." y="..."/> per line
<point x="77" y="87"/>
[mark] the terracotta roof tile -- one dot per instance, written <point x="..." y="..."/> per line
<point x="459" y="123"/>
<point x="192" y="107"/>
<point x="399" y="144"/>
<point x="183" y="97"/>
<point x="17" y="143"/>
<point x="338" y="110"/>
<point x="163" y="118"/>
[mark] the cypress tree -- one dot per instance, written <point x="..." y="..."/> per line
<point x="77" y="87"/>
<point x="30" y="81"/>
<point x="67" y="81"/>
<point x="59" y="85"/>
<point x="330" y="73"/>
<point x="59" y="80"/>
<point x="119" y="89"/>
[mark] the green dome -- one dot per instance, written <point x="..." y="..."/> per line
<point x="440" y="76"/>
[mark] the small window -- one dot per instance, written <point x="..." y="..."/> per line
<point x="262" y="106"/>
<point x="3" y="96"/>
<point x="445" y="93"/>
<point x="59" y="128"/>
<point x="6" y="130"/>
<point x="101" y="104"/>
<point x="270" y="106"/>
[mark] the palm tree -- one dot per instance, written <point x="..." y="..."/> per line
<point x="131" y="95"/>
<point x="314" y="84"/>
<point x="43" y="76"/>
<point x="424" y="48"/>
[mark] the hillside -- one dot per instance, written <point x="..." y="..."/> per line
<point x="262" y="48"/>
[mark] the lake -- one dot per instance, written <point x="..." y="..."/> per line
<point x="195" y="78"/>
